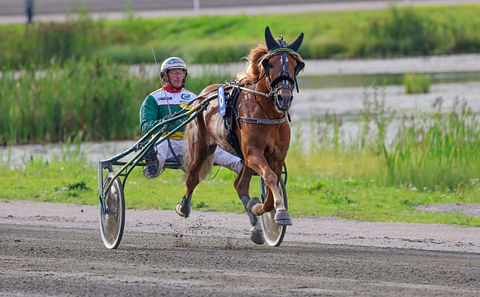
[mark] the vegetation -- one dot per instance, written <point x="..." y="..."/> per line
<point x="215" y="39"/>
<point x="344" y="183"/>
<point x="417" y="83"/>
<point x="93" y="100"/>
<point x="432" y="159"/>
<point x="83" y="94"/>
<point x="425" y="151"/>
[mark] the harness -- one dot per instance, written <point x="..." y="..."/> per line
<point x="232" y="118"/>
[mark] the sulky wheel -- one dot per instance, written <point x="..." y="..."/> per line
<point x="272" y="232"/>
<point x="112" y="218"/>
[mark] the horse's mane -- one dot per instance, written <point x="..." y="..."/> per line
<point x="253" y="68"/>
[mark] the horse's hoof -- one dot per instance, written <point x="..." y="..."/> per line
<point x="178" y="209"/>
<point x="254" y="201"/>
<point x="283" y="218"/>
<point x="183" y="208"/>
<point x="256" y="235"/>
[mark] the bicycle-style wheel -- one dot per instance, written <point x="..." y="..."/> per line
<point x="272" y="232"/>
<point x="112" y="218"/>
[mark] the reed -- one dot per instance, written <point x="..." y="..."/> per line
<point x="93" y="100"/>
<point x="436" y="150"/>
<point x="429" y="151"/>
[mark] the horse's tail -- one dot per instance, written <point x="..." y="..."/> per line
<point x="186" y="153"/>
<point x="206" y="165"/>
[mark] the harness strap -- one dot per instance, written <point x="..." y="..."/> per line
<point x="249" y="90"/>
<point x="263" y="121"/>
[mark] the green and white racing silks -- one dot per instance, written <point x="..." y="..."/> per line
<point x="161" y="104"/>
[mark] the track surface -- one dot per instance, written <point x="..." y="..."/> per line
<point x="56" y="250"/>
<point x="54" y="262"/>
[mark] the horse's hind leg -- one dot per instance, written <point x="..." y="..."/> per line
<point x="192" y="180"/>
<point x="200" y="155"/>
<point x="242" y="185"/>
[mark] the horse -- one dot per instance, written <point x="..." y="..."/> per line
<point x="262" y="130"/>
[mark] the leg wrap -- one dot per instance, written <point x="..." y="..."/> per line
<point x="183" y="208"/>
<point x="251" y="216"/>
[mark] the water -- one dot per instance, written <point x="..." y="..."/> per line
<point x="348" y="102"/>
<point x="389" y="79"/>
<point x="17" y="156"/>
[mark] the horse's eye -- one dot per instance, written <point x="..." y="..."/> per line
<point x="270" y="64"/>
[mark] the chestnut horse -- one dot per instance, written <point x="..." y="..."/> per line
<point x="262" y="129"/>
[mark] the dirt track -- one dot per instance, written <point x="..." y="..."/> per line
<point x="56" y="250"/>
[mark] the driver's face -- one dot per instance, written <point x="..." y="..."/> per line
<point x="176" y="77"/>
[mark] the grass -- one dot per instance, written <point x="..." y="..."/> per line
<point x="432" y="160"/>
<point x="395" y="31"/>
<point x="319" y="184"/>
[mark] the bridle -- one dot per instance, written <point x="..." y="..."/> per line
<point x="282" y="79"/>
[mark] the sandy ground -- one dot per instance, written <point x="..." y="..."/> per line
<point x="55" y="250"/>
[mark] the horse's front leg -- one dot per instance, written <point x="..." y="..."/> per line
<point x="260" y="165"/>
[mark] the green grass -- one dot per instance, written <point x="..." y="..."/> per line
<point x="422" y="30"/>
<point x="319" y="184"/>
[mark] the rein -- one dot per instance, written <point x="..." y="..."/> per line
<point x="249" y="90"/>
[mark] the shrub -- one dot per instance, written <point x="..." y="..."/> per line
<point x="404" y="32"/>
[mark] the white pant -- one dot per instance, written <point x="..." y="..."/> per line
<point x="222" y="157"/>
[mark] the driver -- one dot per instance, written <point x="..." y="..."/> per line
<point x="164" y="103"/>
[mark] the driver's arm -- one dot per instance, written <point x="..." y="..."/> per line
<point x="149" y="114"/>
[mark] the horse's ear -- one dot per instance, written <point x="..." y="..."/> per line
<point x="296" y="44"/>
<point x="269" y="40"/>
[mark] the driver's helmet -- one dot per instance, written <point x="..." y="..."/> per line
<point x="173" y="63"/>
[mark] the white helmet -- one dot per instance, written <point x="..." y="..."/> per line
<point x="173" y="62"/>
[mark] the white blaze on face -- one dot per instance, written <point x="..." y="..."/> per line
<point x="285" y="63"/>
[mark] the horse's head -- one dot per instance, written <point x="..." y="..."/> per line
<point x="281" y="66"/>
